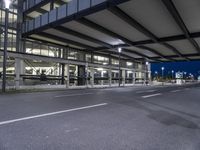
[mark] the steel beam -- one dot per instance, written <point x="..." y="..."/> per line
<point x="175" y="14"/>
<point x="102" y="6"/>
<point x="163" y="39"/>
<point x="139" y="54"/>
<point x="99" y="28"/>
<point x="126" y="18"/>
<point x="83" y="36"/>
<point x="154" y="51"/>
<point x="37" y="6"/>
<point x="64" y="40"/>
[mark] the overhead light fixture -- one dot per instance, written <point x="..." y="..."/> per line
<point x="119" y="49"/>
<point x="7" y="3"/>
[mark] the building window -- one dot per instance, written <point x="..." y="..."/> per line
<point x="115" y="62"/>
<point x="101" y="60"/>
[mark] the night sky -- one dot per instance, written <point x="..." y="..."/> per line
<point x="189" y="67"/>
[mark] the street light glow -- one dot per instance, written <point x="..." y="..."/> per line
<point x="163" y="68"/>
<point x="119" y="49"/>
<point x="7" y="3"/>
<point x="147" y="63"/>
<point x="172" y="71"/>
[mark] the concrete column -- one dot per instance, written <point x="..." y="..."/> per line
<point x="81" y="75"/>
<point x="19" y="69"/>
<point x="110" y="77"/>
<point x="87" y="75"/>
<point x="123" y="77"/>
<point x="149" y="71"/>
<point x="102" y="76"/>
<point x="134" y="77"/>
<point x="63" y="74"/>
<point x="65" y="54"/>
<point x="92" y="76"/>
<point x="67" y="80"/>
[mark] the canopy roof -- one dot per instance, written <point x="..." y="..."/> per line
<point x="153" y="30"/>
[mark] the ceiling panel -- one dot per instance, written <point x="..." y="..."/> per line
<point x="153" y="15"/>
<point x="91" y="32"/>
<point x="195" y="57"/>
<point x="189" y="11"/>
<point x="161" y="49"/>
<point x="143" y="51"/>
<point x="129" y="54"/>
<point x="70" y="37"/>
<point x="197" y="40"/>
<point x="163" y="59"/>
<point x="184" y="46"/>
<point x="34" y="14"/>
<point x="108" y="20"/>
<point x="132" y="55"/>
<point x="53" y="41"/>
<point x="179" y="59"/>
<point x="46" y="7"/>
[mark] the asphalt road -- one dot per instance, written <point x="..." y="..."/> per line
<point x="131" y="118"/>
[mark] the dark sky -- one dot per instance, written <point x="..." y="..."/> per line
<point x="189" y="67"/>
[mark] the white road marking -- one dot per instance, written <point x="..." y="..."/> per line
<point x="50" y="114"/>
<point x="152" y="95"/>
<point x="70" y="95"/>
<point x="175" y="91"/>
<point x="148" y="91"/>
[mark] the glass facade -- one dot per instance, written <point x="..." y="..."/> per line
<point x="12" y="28"/>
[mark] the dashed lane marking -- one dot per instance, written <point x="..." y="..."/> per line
<point x="152" y="95"/>
<point x="174" y="91"/>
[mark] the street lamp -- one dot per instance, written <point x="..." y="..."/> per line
<point x="172" y="74"/>
<point x="147" y="63"/>
<point x="119" y="51"/>
<point x="185" y="73"/>
<point x="7" y="4"/>
<point x="156" y="75"/>
<point x="163" y="68"/>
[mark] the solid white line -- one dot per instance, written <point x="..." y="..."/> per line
<point x="50" y="114"/>
<point x="147" y="96"/>
<point x="70" y="95"/>
<point x="175" y="91"/>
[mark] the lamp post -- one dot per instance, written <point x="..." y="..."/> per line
<point x="163" y="68"/>
<point x="7" y="4"/>
<point x="146" y="66"/>
<point x="156" y="75"/>
<point x="185" y="74"/>
<point x="119" y="51"/>
<point x="172" y="74"/>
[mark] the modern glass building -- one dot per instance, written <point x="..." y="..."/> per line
<point x="60" y="55"/>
